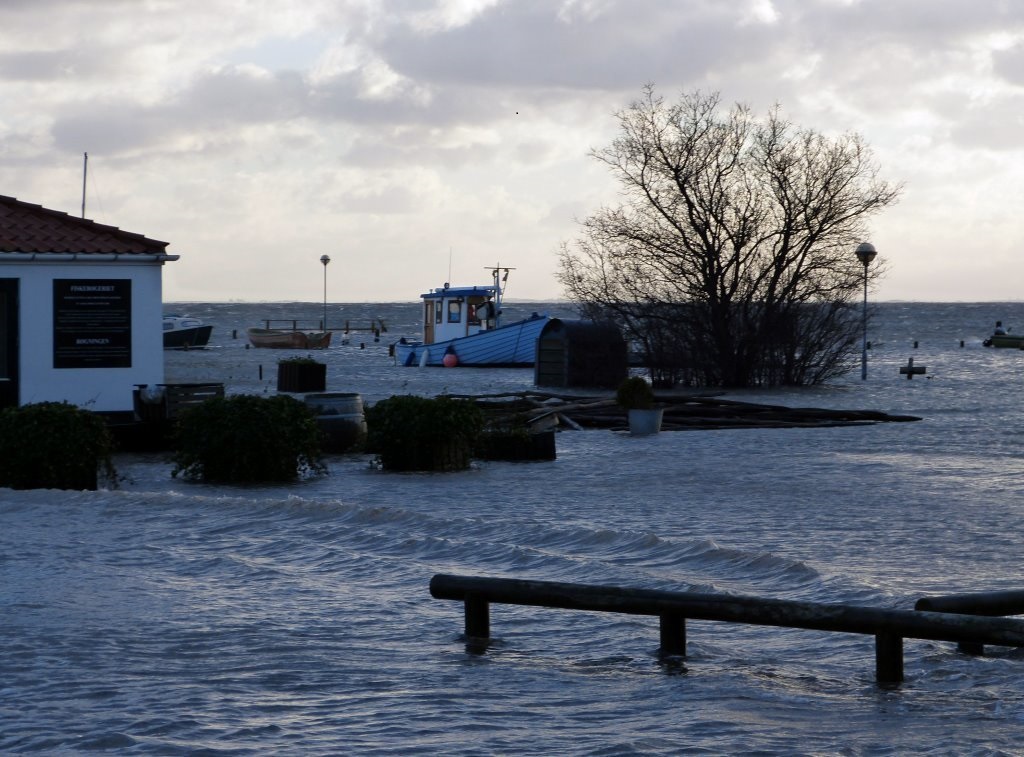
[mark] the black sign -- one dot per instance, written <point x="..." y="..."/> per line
<point x="92" y="323"/>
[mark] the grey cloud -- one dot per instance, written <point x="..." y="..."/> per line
<point x="240" y="96"/>
<point x="218" y="101"/>
<point x="112" y="128"/>
<point x="389" y="201"/>
<point x="1009" y="64"/>
<point x="527" y="44"/>
<point x="993" y="126"/>
<point x="534" y="56"/>
<point x="860" y="25"/>
<point x="390" y="150"/>
<point x="57" y="64"/>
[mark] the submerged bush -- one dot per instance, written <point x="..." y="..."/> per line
<point x="421" y="434"/>
<point x="54" y="445"/>
<point x="247" y="439"/>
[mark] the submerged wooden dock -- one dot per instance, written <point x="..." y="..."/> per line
<point x="681" y="411"/>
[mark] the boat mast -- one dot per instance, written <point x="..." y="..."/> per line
<point x="498" y="281"/>
<point x="85" y="171"/>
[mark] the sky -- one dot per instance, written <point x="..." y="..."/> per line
<point x="420" y="141"/>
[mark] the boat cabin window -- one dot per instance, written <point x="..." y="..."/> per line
<point x="454" y="311"/>
<point x="437" y="315"/>
<point x="472" y="315"/>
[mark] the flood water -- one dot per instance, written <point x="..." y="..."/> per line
<point x="168" y="617"/>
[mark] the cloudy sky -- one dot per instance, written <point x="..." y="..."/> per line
<point x="412" y="138"/>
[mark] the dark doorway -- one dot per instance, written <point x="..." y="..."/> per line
<point x="9" y="342"/>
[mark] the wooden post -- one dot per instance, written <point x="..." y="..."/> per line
<point x="673" y="635"/>
<point x="478" y="617"/>
<point x="910" y="370"/>
<point x="888" y="658"/>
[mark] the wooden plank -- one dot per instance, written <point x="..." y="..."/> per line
<point x="181" y="396"/>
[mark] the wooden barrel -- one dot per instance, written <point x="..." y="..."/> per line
<point x="340" y="418"/>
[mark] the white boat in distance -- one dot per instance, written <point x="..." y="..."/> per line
<point x="182" y="332"/>
<point x="462" y="326"/>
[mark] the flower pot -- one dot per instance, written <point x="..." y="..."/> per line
<point x="645" y="422"/>
<point x="301" y="377"/>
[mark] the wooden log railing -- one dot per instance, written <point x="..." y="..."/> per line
<point x="988" y="603"/>
<point x="376" y="325"/>
<point x="889" y="627"/>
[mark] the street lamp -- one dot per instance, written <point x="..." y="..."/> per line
<point x="325" y="260"/>
<point x="865" y="254"/>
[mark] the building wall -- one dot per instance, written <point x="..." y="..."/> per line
<point x="100" y="389"/>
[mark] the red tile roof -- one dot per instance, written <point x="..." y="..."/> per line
<point x="32" y="228"/>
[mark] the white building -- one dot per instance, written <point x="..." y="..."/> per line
<point x="81" y="309"/>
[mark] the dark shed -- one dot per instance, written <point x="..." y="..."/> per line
<point x="581" y="353"/>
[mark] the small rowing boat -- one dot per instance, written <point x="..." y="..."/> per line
<point x="288" y="339"/>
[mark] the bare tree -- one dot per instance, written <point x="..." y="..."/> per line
<point x="731" y="259"/>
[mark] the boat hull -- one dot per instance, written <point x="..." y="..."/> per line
<point x="1011" y="341"/>
<point x="183" y="339"/>
<point x="512" y="345"/>
<point x="282" y="339"/>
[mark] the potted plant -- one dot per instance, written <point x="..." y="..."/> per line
<point x="301" y="374"/>
<point x="637" y="398"/>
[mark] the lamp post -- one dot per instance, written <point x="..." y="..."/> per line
<point x="325" y="260"/>
<point x="865" y="254"/>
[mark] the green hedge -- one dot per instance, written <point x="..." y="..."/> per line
<point x="54" y="445"/>
<point x="247" y="439"/>
<point x="420" y="434"/>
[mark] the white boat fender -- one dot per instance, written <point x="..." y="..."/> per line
<point x="424" y="357"/>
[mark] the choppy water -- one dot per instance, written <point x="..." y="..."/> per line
<point x="176" y="618"/>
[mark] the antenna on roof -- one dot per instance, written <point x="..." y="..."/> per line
<point x="85" y="171"/>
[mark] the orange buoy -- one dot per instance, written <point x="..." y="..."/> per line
<point x="450" y="360"/>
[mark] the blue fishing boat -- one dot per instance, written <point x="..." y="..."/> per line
<point x="462" y="326"/>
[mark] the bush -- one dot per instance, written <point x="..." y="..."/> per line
<point x="421" y="434"/>
<point x="635" y="394"/>
<point x="247" y="439"/>
<point x="54" y="445"/>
